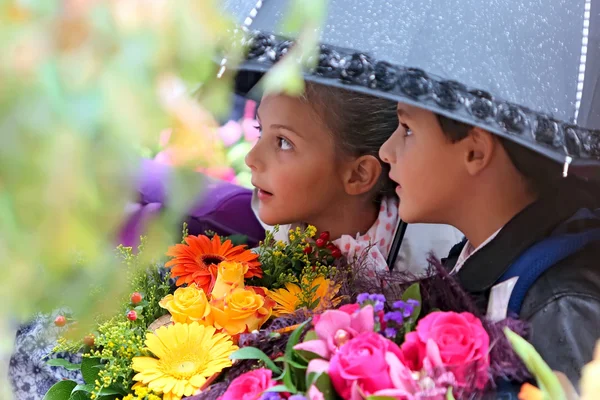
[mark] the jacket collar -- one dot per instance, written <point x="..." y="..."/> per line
<point x="537" y="221"/>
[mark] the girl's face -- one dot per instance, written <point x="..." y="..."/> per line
<point x="427" y="166"/>
<point x="294" y="164"/>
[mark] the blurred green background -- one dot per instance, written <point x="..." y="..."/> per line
<point x="88" y="88"/>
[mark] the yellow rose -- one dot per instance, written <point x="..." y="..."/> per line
<point x="230" y="275"/>
<point x="187" y="304"/>
<point x="242" y="310"/>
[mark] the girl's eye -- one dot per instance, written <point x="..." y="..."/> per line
<point x="259" y="129"/>
<point x="407" y="130"/>
<point x="283" y="143"/>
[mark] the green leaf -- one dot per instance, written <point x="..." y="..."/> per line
<point x="310" y="335"/>
<point x="449" y="395"/>
<point x="61" y="362"/>
<point x="252" y="353"/>
<point x="88" y="388"/>
<point x="113" y="390"/>
<point x="288" y="380"/>
<point x="294" y="339"/>
<point x="79" y="395"/>
<point x="413" y="292"/>
<point x="380" y="398"/>
<point x="60" y="391"/>
<point x="90" y="368"/>
<point x="278" y="389"/>
<point x="325" y="386"/>
<point x="546" y="379"/>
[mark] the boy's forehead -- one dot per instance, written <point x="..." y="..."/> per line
<point x="408" y="110"/>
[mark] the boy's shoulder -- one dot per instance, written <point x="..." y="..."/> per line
<point x="574" y="279"/>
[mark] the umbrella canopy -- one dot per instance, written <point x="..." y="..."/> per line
<point x="528" y="70"/>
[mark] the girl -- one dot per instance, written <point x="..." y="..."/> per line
<point x="317" y="163"/>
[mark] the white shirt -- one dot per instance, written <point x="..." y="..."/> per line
<point x="469" y="250"/>
<point x="419" y="241"/>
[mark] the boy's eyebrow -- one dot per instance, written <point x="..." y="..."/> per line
<point x="402" y="112"/>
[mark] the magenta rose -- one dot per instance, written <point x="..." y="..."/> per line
<point x="250" y="385"/>
<point x="362" y="363"/>
<point x="456" y="342"/>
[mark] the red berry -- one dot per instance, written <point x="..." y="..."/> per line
<point x="136" y="298"/>
<point x="336" y="253"/>
<point x="324" y="236"/>
<point x="307" y="250"/>
<point x="60" y="321"/>
<point x="89" y="340"/>
<point x="132" y="315"/>
<point x="320" y="242"/>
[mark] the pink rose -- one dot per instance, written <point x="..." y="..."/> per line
<point x="453" y="341"/>
<point x="362" y="361"/>
<point x="250" y="385"/>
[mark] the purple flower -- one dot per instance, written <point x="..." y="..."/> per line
<point x="297" y="397"/>
<point x="361" y="298"/>
<point x="406" y="307"/>
<point x="413" y="303"/>
<point x="390" y="333"/>
<point x="394" y="316"/>
<point x="270" y="396"/>
<point x="377" y="298"/>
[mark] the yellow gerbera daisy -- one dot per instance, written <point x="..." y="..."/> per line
<point x="187" y="355"/>
<point x="290" y="299"/>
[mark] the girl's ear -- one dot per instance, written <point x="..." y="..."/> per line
<point x="363" y="174"/>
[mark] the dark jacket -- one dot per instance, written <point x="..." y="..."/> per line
<point x="563" y="305"/>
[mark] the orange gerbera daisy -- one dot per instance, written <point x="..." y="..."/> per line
<point x="197" y="260"/>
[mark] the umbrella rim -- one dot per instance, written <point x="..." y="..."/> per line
<point x="349" y="69"/>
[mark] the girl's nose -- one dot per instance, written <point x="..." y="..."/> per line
<point x="253" y="158"/>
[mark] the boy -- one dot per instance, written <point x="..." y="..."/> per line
<point x="529" y="232"/>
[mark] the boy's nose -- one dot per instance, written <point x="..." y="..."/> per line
<point x="386" y="151"/>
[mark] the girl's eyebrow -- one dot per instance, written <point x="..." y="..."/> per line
<point x="286" y="127"/>
<point x="280" y="126"/>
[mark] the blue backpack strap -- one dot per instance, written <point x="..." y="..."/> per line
<point x="537" y="259"/>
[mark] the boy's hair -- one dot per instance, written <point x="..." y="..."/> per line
<point x="360" y="124"/>
<point x="542" y="173"/>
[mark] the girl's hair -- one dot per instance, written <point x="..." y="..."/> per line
<point x="360" y="124"/>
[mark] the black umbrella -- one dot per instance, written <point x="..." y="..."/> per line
<point x="527" y="70"/>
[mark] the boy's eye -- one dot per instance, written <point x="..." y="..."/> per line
<point x="283" y="143"/>
<point x="407" y="130"/>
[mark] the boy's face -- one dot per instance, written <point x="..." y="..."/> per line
<point x="427" y="166"/>
<point x="293" y="164"/>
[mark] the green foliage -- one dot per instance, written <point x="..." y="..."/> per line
<point x="299" y="261"/>
<point x="545" y="378"/>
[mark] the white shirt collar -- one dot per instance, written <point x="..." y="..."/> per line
<point x="468" y="250"/>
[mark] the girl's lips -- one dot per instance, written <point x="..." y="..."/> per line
<point x="263" y="195"/>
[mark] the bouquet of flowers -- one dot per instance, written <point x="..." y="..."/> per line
<point x="363" y="351"/>
<point x="176" y="332"/>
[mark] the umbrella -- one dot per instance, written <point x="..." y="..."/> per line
<point x="527" y="70"/>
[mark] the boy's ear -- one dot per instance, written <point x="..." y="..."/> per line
<point x="479" y="148"/>
<point x="362" y="175"/>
